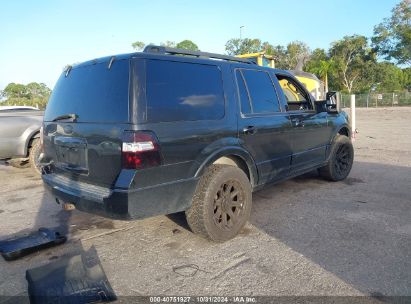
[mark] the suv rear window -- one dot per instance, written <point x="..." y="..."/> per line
<point x="178" y="91"/>
<point x="93" y="92"/>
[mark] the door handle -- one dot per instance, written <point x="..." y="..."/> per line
<point x="249" y="130"/>
<point x="298" y="123"/>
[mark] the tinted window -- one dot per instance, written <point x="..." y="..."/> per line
<point x="245" y="101"/>
<point x="93" y="92"/>
<point x="183" y="91"/>
<point x="261" y="90"/>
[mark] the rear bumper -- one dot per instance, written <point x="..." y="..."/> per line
<point x="120" y="203"/>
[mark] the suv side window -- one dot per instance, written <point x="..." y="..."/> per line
<point x="262" y="97"/>
<point x="180" y="91"/>
<point x="297" y="99"/>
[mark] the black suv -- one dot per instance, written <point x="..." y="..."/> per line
<point x="169" y="130"/>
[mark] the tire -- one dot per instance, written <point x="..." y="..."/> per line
<point x="34" y="155"/>
<point x="341" y="160"/>
<point x="217" y="213"/>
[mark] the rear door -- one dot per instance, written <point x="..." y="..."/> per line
<point x="85" y="119"/>
<point x="263" y="125"/>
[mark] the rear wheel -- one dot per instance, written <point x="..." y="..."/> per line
<point x="341" y="160"/>
<point x="221" y="204"/>
<point x="34" y="156"/>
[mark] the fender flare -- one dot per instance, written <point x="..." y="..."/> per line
<point x="231" y="151"/>
<point x="337" y="131"/>
<point x="334" y="136"/>
<point x="32" y="133"/>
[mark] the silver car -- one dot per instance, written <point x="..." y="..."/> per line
<point x="20" y="136"/>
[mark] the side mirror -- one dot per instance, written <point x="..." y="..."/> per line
<point x="331" y="108"/>
<point x="328" y="105"/>
<point x="331" y="95"/>
<point x="331" y="102"/>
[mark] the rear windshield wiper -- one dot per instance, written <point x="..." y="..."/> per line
<point x="73" y="117"/>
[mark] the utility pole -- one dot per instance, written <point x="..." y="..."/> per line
<point x="241" y="32"/>
<point x="353" y="126"/>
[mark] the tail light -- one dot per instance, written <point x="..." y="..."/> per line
<point x="140" y="150"/>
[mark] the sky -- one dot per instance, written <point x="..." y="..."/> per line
<point x="38" y="38"/>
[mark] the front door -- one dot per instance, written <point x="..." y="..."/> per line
<point x="311" y="132"/>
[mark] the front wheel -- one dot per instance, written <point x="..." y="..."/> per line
<point x="341" y="160"/>
<point x="221" y="204"/>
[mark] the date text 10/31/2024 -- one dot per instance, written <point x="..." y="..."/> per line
<point x="205" y="299"/>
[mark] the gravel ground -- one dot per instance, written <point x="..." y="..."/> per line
<point x="306" y="236"/>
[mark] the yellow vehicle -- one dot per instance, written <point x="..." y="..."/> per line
<point x="260" y="58"/>
<point x="310" y="81"/>
<point x="314" y="85"/>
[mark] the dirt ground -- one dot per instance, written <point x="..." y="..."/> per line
<point x="306" y="236"/>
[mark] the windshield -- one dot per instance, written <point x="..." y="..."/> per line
<point x="94" y="93"/>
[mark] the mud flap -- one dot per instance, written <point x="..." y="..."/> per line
<point x="43" y="238"/>
<point x="77" y="279"/>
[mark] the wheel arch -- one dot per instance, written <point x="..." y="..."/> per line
<point x="344" y="130"/>
<point x="29" y="139"/>
<point x="341" y="130"/>
<point x="233" y="156"/>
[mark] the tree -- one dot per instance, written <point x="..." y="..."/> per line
<point x="406" y="79"/>
<point x="138" y="45"/>
<point x="392" y="37"/>
<point x="350" y="55"/>
<point x="321" y="65"/>
<point x="237" y="46"/>
<point x="278" y="52"/>
<point x="187" y="45"/>
<point x="33" y="94"/>
<point x="297" y="55"/>
<point x="15" y="90"/>
<point x="294" y="56"/>
<point x="168" y="43"/>
<point x="389" y="77"/>
<point x="285" y="58"/>
<point x="37" y="90"/>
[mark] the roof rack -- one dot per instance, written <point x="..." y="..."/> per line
<point x="155" y="49"/>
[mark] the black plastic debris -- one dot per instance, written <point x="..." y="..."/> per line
<point x="78" y="279"/>
<point x="43" y="238"/>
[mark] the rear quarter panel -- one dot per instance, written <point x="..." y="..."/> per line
<point x="16" y="130"/>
